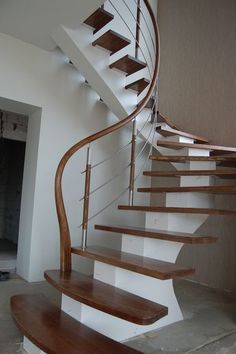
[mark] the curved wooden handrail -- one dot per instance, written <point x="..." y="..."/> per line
<point x="65" y="242"/>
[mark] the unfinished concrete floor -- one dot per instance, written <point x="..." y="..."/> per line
<point x="209" y="325"/>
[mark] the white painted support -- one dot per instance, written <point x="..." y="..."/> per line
<point x="31" y="348"/>
<point x="150" y="288"/>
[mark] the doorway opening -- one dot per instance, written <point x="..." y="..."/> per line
<point x="13" y="132"/>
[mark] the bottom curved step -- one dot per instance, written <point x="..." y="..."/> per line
<point x="53" y="331"/>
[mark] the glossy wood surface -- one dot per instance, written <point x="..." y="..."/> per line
<point x="182" y="237"/>
<point x="209" y="211"/>
<point x="99" y="19"/>
<point x="223" y="173"/>
<point x="112" y="41"/>
<point x="176" y="145"/>
<point x="227" y="159"/>
<point x="143" y="265"/>
<point x="128" y="64"/>
<point x="163" y="118"/>
<point x="138" y="85"/>
<point x="55" y="332"/>
<point x="168" y="131"/>
<point x="151" y="103"/>
<point x="106" y="298"/>
<point x="202" y="189"/>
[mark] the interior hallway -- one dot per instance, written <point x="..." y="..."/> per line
<point x="209" y="325"/>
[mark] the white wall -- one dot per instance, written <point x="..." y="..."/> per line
<point x="62" y="110"/>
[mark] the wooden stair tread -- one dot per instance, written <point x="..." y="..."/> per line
<point x="111" y="41"/>
<point x="151" y="103"/>
<point x="209" y="211"/>
<point x="143" y="265"/>
<point x="202" y="189"/>
<point x="224" y="173"/>
<point x="99" y="19"/>
<point x="168" y="131"/>
<point x="138" y="85"/>
<point x="128" y="64"/>
<point x="181" y="159"/>
<point x="176" y="145"/>
<point x="106" y="298"/>
<point x="163" y="118"/>
<point x="53" y="331"/>
<point x="182" y="237"/>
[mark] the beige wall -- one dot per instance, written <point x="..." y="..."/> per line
<point x="198" y="91"/>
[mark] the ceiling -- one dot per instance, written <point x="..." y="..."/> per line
<point x="33" y="21"/>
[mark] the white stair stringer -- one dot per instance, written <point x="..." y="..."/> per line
<point x="156" y="290"/>
<point x="93" y="63"/>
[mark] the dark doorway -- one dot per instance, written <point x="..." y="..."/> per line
<point x="12" y="155"/>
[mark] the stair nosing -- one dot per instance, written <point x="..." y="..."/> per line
<point x="130" y="57"/>
<point x="104" y="12"/>
<point x="176" y="145"/>
<point x="52" y="329"/>
<point x="220" y="189"/>
<point x="94" y="43"/>
<point x="108" y="307"/>
<point x="182" y="133"/>
<point x="127" y="87"/>
<point x="182" y="158"/>
<point x="181" y="210"/>
<point x="179" y="173"/>
<point x="171" y="236"/>
<point x="162" y="275"/>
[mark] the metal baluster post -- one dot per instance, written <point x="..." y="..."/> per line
<point x="132" y="164"/>
<point x="86" y="199"/>
<point x="137" y="29"/>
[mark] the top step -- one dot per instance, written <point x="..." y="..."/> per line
<point x="111" y="41"/>
<point x="168" y="131"/>
<point x="215" y="148"/>
<point x="55" y="332"/>
<point x="99" y="19"/>
<point x="128" y="64"/>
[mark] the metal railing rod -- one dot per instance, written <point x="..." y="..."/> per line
<point x="147" y="120"/>
<point x="110" y="157"/>
<point x="146" y="142"/>
<point x="147" y="158"/>
<point x="108" y="181"/>
<point x="132" y="164"/>
<point x="108" y="205"/>
<point x="148" y="27"/>
<point x="137" y="30"/>
<point x="141" y="31"/>
<point x="86" y="199"/>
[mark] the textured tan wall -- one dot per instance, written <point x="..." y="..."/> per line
<point x="198" y="91"/>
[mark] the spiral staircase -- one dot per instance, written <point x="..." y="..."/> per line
<point x="131" y="291"/>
